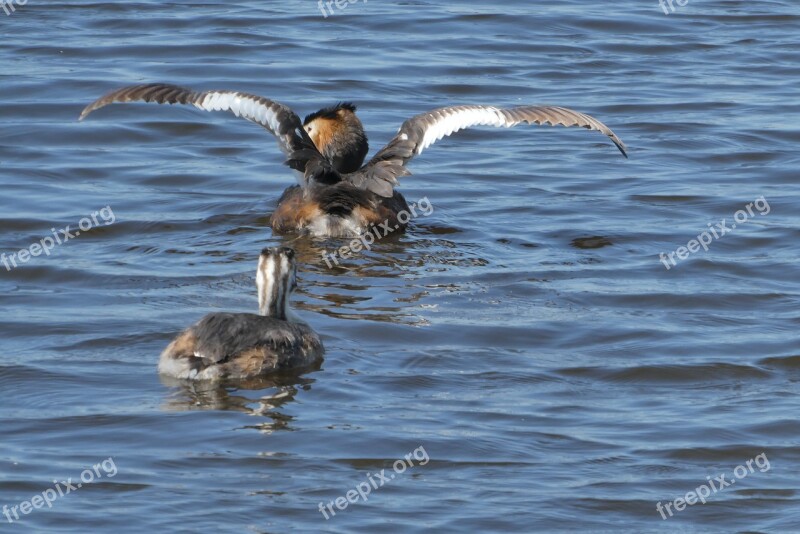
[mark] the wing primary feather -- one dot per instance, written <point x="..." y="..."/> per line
<point x="276" y="118"/>
<point x="421" y="131"/>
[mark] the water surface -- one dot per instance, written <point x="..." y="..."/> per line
<point x="525" y="334"/>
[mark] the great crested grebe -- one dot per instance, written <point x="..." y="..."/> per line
<point x="246" y="345"/>
<point x="338" y="195"/>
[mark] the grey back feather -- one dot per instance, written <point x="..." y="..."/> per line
<point x="223" y="335"/>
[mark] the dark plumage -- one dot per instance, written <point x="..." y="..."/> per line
<point x="243" y="345"/>
<point x="330" y="112"/>
<point x="339" y="135"/>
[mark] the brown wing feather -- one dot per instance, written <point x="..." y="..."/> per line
<point x="418" y="133"/>
<point x="275" y="117"/>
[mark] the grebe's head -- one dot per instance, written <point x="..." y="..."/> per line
<point x="276" y="280"/>
<point x="339" y="135"/>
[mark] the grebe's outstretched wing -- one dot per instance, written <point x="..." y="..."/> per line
<point x="419" y="132"/>
<point x="276" y="118"/>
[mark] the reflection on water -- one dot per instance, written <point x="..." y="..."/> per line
<point x="257" y="396"/>
<point x="346" y="290"/>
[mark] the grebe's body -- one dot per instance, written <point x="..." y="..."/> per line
<point x="339" y="210"/>
<point x="246" y="345"/>
<point x="338" y="195"/>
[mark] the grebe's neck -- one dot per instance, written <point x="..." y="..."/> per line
<point x="274" y="282"/>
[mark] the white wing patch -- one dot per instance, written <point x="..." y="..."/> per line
<point x="454" y="120"/>
<point x="241" y="106"/>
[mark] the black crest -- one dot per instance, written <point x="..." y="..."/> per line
<point x="330" y="112"/>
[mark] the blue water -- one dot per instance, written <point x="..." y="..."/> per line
<point x="525" y="335"/>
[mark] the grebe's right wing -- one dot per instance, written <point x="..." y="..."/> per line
<point x="419" y="132"/>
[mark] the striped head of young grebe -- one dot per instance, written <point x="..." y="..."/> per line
<point x="276" y="280"/>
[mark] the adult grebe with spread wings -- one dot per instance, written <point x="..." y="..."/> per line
<point x="338" y="195"/>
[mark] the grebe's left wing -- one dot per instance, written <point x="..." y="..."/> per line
<point x="380" y="174"/>
<point x="276" y="118"/>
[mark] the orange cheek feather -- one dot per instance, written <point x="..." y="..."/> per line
<point x="323" y="133"/>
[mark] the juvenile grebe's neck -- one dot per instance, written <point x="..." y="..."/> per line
<point x="276" y="280"/>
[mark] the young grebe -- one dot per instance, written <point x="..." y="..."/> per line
<point x="245" y="345"/>
<point x="338" y="196"/>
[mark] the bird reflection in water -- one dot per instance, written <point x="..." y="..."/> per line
<point x="263" y="397"/>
